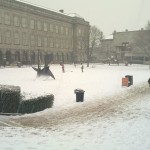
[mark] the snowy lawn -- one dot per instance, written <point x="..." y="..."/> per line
<point x="97" y="82"/>
<point x="114" y="117"/>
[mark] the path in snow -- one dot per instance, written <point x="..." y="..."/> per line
<point x="81" y="112"/>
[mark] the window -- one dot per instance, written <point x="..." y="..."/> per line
<point x="32" y="24"/>
<point x="7" y="19"/>
<point x="71" y="44"/>
<point x="83" y="45"/>
<point x="45" y="26"/>
<point x="51" y="42"/>
<point x="45" y="42"/>
<point x="57" y="43"/>
<point x="79" y="32"/>
<point x="0" y="17"/>
<point x="57" y="29"/>
<point x="39" y="41"/>
<point x="62" y="43"/>
<point x="79" y="44"/>
<point x="0" y="37"/>
<point x="67" y="44"/>
<point x="24" y="22"/>
<point x="16" y="21"/>
<point x="39" y="25"/>
<point x="7" y="37"/>
<point x="16" y="38"/>
<point x="51" y="27"/>
<point x="67" y="31"/>
<point x="32" y="40"/>
<point x="24" y="38"/>
<point x="62" y="30"/>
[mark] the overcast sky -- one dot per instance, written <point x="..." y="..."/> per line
<point x="107" y="15"/>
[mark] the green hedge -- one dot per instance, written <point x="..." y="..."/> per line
<point x="36" y="104"/>
<point x="9" y="98"/>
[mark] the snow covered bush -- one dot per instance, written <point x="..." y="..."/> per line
<point x="9" y="98"/>
<point x="36" y="104"/>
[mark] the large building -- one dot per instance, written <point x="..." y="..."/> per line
<point x="129" y="46"/>
<point x="26" y="30"/>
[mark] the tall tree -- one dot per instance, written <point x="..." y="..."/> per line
<point x="95" y="41"/>
<point x="147" y="27"/>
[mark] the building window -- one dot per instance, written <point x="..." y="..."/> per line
<point x="45" y="26"/>
<point x="0" y="37"/>
<point x="7" y="37"/>
<point x="83" y="45"/>
<point x="39" y="25"/>
<point x="62" y="43"/>
<point x="24" y="38"/>
<point x="79" y="32"/>
<point x="67" y="31"/>
<point x="45" y="42"/>
<point x="57" y="29"/>
<point x="57" y="43"/>
<point x="16" y="38"/>
<point x="7" y="19"/>
<point x="79" y="44"/>
<point x="67" y="44"/>
<point x="0" y="17"/>
<point x="71" y="44"/>
<point x="16" y="21"/>
<point x="32" y="40"/>
<point x="32" y="24"/>
<point x="51" y="43"/>
<point x="62" y="30"/>
<point x="39" y="41"/>
<point x="51" y="27"/>
<point x="24" y="22"/>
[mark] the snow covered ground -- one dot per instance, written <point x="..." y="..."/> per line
<point x="111" y="117"/>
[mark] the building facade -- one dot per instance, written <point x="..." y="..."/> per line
<point x="129" y="46"/>
<point x="26" y="30"/>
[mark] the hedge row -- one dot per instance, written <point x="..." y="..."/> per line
<point x="9" y="98"/>
<point x="36" y="104"/>
<point x="11" y="102"/>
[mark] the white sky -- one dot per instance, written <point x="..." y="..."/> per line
<point x="107" y="15"/>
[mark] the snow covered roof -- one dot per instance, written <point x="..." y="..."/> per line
<point x="74" y="15"/>
<point x="109" y="37"/>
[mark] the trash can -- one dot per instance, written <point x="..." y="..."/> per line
<point x="79" y="95"/>
<point x="130" y="79"/>
<point x="19" y="64"/>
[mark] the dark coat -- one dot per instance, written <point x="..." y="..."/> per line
<point x="149" y="81"/>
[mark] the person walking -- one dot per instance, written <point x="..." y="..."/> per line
<point x="63" y="67"/>
<point x="82" y="67"/>
<point x="149" y="82"/>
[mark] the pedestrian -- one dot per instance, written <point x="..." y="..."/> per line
<point x="82" y="67"/>
<point x="63" y="67"/>
<point x="149" y="82"/>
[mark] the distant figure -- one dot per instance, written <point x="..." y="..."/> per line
<point x="4" y="62"/>
<point x="63" y="67"/>
<point x="149" y="82"/>
<point x="82" y="67"/>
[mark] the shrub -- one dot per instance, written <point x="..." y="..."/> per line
<point x="36" y="104"/>
<point x="9" y="98"/>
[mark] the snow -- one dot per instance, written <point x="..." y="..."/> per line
<point x="111" y="117"/>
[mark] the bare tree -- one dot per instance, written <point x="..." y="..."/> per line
<point x="95" y="41"/>
<point x="147" y="27"/>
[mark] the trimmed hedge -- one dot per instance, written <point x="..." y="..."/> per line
<point x="36" y="104"/>
<point x="9" y="98"/>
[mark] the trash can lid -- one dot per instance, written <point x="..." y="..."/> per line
<point x="79" y="90"/>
